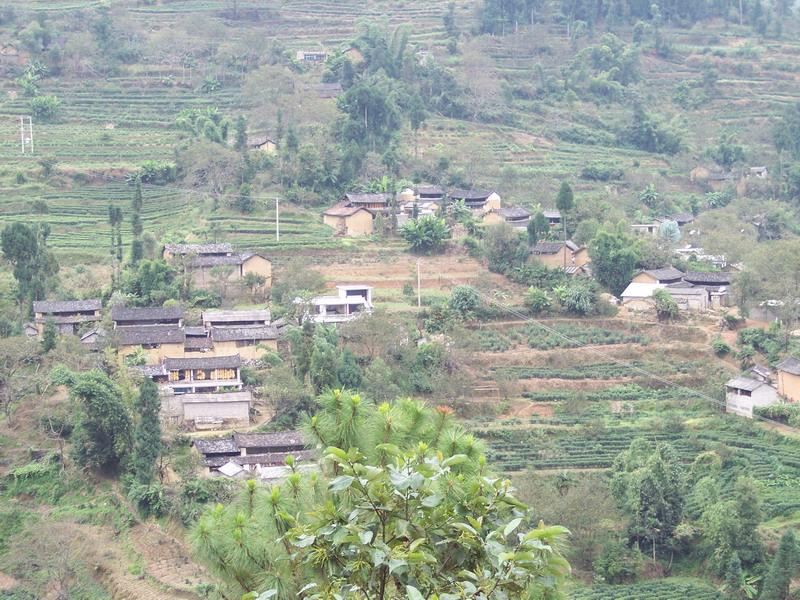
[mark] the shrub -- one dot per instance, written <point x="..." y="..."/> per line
<point x="427" y="234"/>
<point x="464" y="301"/>
<point x="46" y="108"/>
<point x="617" y="563"/>
<point x="537" y="300"/>
<point x="601" y="173"/>
<point x="150" y="499"/>
<point x="720" y="347"/>
<point x="577" y="296"/>
<point x="666" y="307"/>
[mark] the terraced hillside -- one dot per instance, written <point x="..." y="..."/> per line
<point x="112" y="123"/>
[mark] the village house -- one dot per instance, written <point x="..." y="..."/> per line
<point x="261" y="455"/>
<point x="789" y="378"/>
<point x="713" y="178"/>
<point x="67" y="315"/>
<point x="234" y="318"/>
<point x="249" y="342"/>
<point x="211" y="264"/>
<point x="698" y="254"/>
<point x="743" y="394"/>
<point x="430" y="193"/>
<point x="198" y="374"/>
<point x="205" y="410"/>
<point x="553" y="217"/>
<point x="379" y="203"/>
<point x="166" y="316"/>
<point x="351" y="302"/>
<point x="758" y="172"/>
<point x="326" y="91"/>
<point x="349" y="221"/>
<point x="716" y="283"/>
<point x="156" y="341"/>
<point x="665" y="275"/>
<point x="653" y="228"/>
<point x="558" y="254"/>
<point x="480" y="202"/>
<point x="263" y="144"/>
<point x="516" y="216"/>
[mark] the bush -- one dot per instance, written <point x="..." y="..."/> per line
<point x="601" y="173"/>
<point x="720" y="347"/>
<point x="617" y="563"/>
<point x="666" y="307"/>
<point x="426" y="234"/>
<point x="151" y="500"/>
<point x="46" y="108"/>
<point x="537" y="300"/>
<point x="464" y="301"/>
<point x="577" y="296"/>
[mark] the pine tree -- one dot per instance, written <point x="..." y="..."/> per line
<point x="733" y="578"/>
<point x="49" y="336"/>
<point x="136" y="223"/>
<point x="784" y="567"/>
<point x="146" y="433"/>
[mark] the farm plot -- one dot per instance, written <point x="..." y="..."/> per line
<point x="664" y="589"/>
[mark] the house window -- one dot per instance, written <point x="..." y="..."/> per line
<point x="244" y="343"/>
<point x="151" y="346"/>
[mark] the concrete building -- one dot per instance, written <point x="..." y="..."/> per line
<point x="743" y="394"/>
<point x="558" y="254"/>
<point x="350" y="302"/>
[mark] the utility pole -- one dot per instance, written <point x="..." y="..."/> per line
<point x="22" y="132"/>
<point x="419" y="287"/>
<point x="30" y="127"/>
<point x="277" y="222"/>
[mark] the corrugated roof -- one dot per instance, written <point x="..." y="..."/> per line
<point x="744" y="383"/>
<point x="278" y="439"/>
<point x="221" y="248"/>
<point x="228" y="316"/>
<point x="131" y="335"/>
<point x="789" y="365"/>
<point x="122" y="313"/>
<point x="231" y="334"/>
<point x="212" y="362"/>
<point x="66" y="306"/>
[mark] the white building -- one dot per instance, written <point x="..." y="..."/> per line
<point x="742" y="394"/>
<point x="351" y="302"/>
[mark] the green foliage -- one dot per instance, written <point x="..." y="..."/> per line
<point x="783" y="569"/>
<point x="465" y="301"/>
<point x="49" y="336"/>
<point x="617" y="563"/>
<point x="538" y="228"/>
<point x="102" y="435"/>
<point x="615" y="254"/>
<point x="505" y="247"/>
<point x="786" y="134"/>
<point x="720" y="348"/>
<point x="427" y="234"/>
<point x="647" y="132"/>
<point x="35" y="266"/>
<point x="537" y="300"/>
<point x="578" y="295"/>
<point x="146" y="432"/>
<point x="726" y="153"/>
<point x="150" y="498"/>
<point x="424" y="516"/>
<point x="149" y="283"/>
<point x="205" y="123"/>
<point x="649" y="486"/>
<point x="666" y="307"/>
<point x="46" y="108"/>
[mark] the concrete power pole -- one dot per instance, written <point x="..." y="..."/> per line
<point x="419" y="287"/>
<point x="22" y="132"/>
<point x="30" y="128"/>
<point x="277" y="222"/>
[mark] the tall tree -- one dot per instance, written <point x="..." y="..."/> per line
<point x="136" y="223"/>
<point x="34" y="265"/>
<point x="102" y="435"/>
<point x="538" y="228"/>
<point x="146" y="433"/>
<point x="16" y="353"/>
<point x="240" y="142"/>
<point x="783" y="569"/>
<point x="615" y="254"/>
<point x="565" y="201"/>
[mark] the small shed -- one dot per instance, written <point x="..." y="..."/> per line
<point x="743" y="394"/>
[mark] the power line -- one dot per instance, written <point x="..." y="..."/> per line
<point x="598" y="352"/>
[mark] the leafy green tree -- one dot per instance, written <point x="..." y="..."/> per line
<point x="666" y="307"/>
<point x="324" y="360"/>
<point x="505" y="248"/>
<point x="578" y="295"/>
<point x="151" y="282"/>
<point x="537" y="300"/>
<point x="786" y="134"/>
<point x="136" y="222"/>
<point x="427" y="234"/>
<point x="372" y="114"/>
<point x="240" y="142"/>
<point x="783" y="569"/>
<point x="349" y="372"/>
<point x="34" y="265"/>
<point x="464" y="300"/>
<point x="538" y="228"/>
<point x="648" y="486"/>
<point x="101" y="438"/>
<point x="565" y="202"/>
<point x="614" y="255"/>
<point x="244" y="200"/>
<point x="46" y="108"/>
<point x="408" y="511"/>
<point x="147" y="444"/>
<point x="734" y="580"/>
<point x="379" y="381"/>
<point x="49" y="336"/>
<point x="726" y="152"/>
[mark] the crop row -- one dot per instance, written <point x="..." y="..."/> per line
<point x="572" y="336"/>
<point x="623" y="392"/>
<point x="608" y="370"/>
<point x="665" y="589"/>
